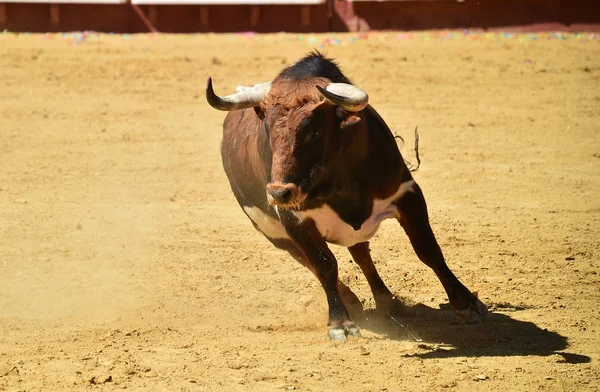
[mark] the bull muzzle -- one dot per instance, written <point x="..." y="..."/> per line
<point x="285" y="196"/>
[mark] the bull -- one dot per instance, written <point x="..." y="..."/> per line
<point x="311" y="162"/>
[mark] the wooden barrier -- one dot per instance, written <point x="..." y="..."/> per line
<point x="303" y="16"/>
<point x="53" y="7"/>
<point x="204" y="11"/>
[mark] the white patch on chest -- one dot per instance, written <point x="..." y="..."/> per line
<point x="338" y="232"/>
<point x="270" y="227"/>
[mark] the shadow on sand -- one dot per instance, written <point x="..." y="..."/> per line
<point x="442" y="335"/>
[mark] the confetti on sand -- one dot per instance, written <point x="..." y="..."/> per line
<point x="78" y="38"/>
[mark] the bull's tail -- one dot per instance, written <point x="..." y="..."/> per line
<point x="412" y="166"/>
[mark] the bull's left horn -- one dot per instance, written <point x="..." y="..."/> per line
<point x="346" y="96"/>
<point x="246" y="97"/>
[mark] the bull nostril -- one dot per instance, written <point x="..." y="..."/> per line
<point x="281" y="195"/>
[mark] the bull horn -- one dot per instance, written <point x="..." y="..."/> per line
<point x="346" y="96"/>
<point x="246" y="97"/>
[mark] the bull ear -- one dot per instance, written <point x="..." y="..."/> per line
<point x="260" y="113"/>
<point x="347" y="119"/>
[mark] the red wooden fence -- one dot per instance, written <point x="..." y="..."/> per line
<point x="131" y="16"/>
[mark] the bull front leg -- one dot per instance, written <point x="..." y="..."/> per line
<point x="414" y="219"/>
<point x="321" y="261"/>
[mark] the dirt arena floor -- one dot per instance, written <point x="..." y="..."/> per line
<point x="126" y="263"/>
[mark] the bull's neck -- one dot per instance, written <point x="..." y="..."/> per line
<point x="369" y="167"/>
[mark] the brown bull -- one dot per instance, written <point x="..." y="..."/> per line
<point x="310" y="162"/>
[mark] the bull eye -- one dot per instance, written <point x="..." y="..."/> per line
<point x="313" y="136"/>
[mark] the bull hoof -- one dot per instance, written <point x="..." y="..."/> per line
<point x="473" y="314"/>
<point x="341" y="333"/>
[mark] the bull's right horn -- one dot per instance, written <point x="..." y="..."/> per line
<point x="246" y="97"/>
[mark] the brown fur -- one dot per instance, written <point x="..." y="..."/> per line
<point x="292" y="94"/>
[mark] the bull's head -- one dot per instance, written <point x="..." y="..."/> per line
<point x="305" y="121"/>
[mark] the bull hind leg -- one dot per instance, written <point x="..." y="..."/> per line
<point x="385" y="301"/>
<point x="414" y="219"/>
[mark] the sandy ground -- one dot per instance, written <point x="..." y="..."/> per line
<point x="125" y="261"/>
